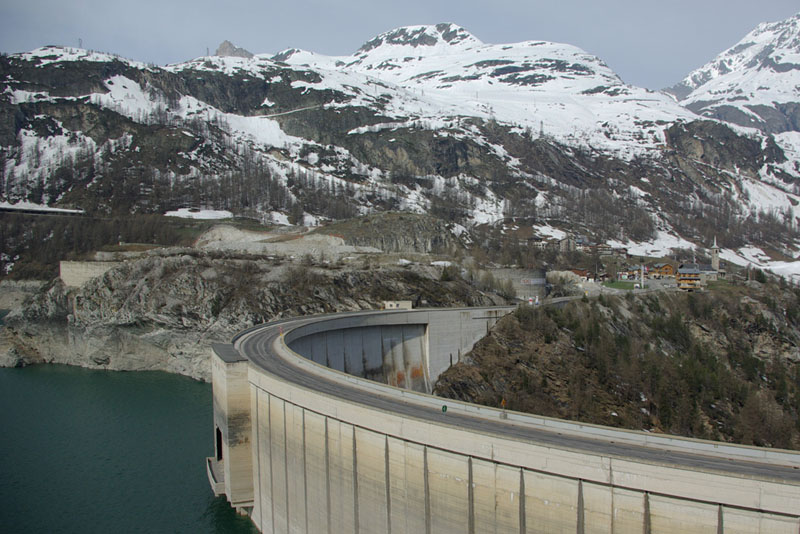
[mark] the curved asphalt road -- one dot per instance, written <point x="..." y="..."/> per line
<point x="256" y="345"/>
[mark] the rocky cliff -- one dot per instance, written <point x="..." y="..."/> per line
<point x="227" y="49"/>
<point x="162" y="312"/>
<point x="403" y="233"/>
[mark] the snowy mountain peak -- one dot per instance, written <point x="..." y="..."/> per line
<point x="426" y="37"/>
<point x="752" y="82"/>
<point x="771" y="45"/>
<point x="285" y="55"/>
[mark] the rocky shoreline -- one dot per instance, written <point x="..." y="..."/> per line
<point x="163" y="311"/>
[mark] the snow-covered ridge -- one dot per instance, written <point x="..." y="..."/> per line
<point x="430" y="74"/>
<point x="435" y="72"/>
<point x="47" y="55"/>
<point x="755" y="82"/>
<point x="772" y="47"/>
<point x="440" y="39"/>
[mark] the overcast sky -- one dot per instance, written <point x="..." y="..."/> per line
<point x="651" y="43"/>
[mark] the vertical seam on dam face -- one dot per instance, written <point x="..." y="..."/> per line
<point x="257" y="447"/>
<point x="386" y="370"/>
<point x="720" y="527"/>
<point x="427" y="490"/>
<point x="327" y="477"/>
<point x="581" y="518"/>
<point x="522" y="518"/>
<point x="406" y="358"/>
<point x="271" y="481"/>
<point x="364" y="365"/>
<point x="647" y="529"/>
<point x="388" y="485"/>
<point x="611" y="482"/>
<point x="425" y="343"/>
<point x="305" y="469"/>
<point x="355" y="484"/>
<point x="327" y="354"/>
<point x="286" y="468"/>
<point x="344" y="357"/>
<point x="470" y="498"/>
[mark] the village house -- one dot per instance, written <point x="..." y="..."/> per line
<point x="689" y="278"/>
<point x="604" y="250"/>
<point x="583" y="244"/>
<point x="662" y="270"/>
<point x="629" y="273"/>
<point x="566" y="245"/>
<point x="707" y="273"/>
<point x="695" y="276"/>
<point x="537" y="242"/>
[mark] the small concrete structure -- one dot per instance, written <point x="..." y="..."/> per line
<point x="397" y="305"/>
<point x="527" y="283"/>
<point x="230" y="470"/>
<point x="77" y="273"/>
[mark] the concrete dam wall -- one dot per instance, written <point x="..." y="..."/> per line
<point x="406" y="349"/>
<point x="305" y="448"/>
<point x="391" y="354"/>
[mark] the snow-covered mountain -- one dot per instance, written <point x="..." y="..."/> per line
<point x="551" y="88"/>
<point x="422" y="118"/>
<point x="754" y="83"/>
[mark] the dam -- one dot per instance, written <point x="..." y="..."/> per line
<point x="325" y="424"/>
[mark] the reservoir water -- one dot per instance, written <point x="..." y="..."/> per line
<point x="99" y="451"/>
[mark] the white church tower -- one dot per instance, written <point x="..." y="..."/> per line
<point x="715" y="255"/>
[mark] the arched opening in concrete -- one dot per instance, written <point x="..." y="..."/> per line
<point x="218" y="444"/>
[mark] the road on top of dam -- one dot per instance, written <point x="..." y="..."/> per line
<point x="256" y="345"/>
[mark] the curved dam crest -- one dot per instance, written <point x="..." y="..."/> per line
<point x="323" y="424"/>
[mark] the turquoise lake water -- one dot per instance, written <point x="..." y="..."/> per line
<point x="97" y="451"/>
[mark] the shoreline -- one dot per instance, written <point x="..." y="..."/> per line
<point x="106" y="348"/>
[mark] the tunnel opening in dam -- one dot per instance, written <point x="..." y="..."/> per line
<point x="396" y="355"/>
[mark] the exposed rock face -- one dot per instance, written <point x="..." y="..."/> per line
<point x="717" y="145"/>
<point x="14" y="292"/>
<point x="163" y="311"/>
<point x="227" y="49"/>
<point x="403" y="233"/>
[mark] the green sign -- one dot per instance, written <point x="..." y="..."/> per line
<point x="444" y="409"/>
